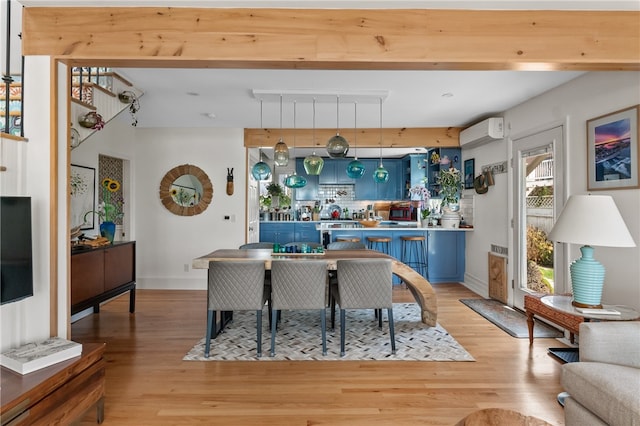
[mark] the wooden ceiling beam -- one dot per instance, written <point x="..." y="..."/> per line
<point x="336" y="39"/>
<point x="439" y="137"/>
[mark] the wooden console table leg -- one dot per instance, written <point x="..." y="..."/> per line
<point x="132" y="299"/>
<point x="100" y="410"/>
<point x="530" y="326"/>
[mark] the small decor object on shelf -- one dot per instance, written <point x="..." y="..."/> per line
<point x="109" y="210"/>
<point x="34" y="356"/>
<point x="128" y="97"/>
<point x="91" y="120"/>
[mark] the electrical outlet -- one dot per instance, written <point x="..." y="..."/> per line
<point x="186" y="267"/>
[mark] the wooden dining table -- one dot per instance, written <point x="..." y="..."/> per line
<point x="417" y="284"/>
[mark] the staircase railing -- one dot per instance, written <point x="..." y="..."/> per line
<point x="8" y="79"/>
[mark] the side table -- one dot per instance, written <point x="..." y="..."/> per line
<point x="559" y="310"/>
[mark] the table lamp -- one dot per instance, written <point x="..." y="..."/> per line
<point x="592" y="220"/>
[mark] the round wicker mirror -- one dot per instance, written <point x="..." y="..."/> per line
<point x="186" y="190"/>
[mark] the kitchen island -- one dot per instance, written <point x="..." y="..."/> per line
<point x="445" y="246"/>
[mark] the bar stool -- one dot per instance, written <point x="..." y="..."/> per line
<point x="379" y="243"/>
<point x="348" y="238"/>
<point x="414" y="253"/>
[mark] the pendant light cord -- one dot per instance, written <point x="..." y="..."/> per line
<point x="261" y="128"/>
<point x="380" y="132"/>
<point x="337" y="115"/>
<point x="313" y="132"/>
<point x="355" y="130"/>
<point x="281" y="134"/>
<point x="294" y="126"/>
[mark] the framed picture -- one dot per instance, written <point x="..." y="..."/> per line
<point x="469" y="173"/>
<point x="612" y="150"/>
<point x="83" y="195"/>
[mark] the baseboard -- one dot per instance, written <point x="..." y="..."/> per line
<point x="476" y="285"/>
<point x="174" y="283"/>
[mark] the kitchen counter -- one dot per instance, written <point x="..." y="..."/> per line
<point x="384" y="226"/>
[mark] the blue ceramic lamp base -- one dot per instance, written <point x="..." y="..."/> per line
<point x="587" y="280"/>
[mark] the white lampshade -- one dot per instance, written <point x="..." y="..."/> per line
<point x="593" y="220"/>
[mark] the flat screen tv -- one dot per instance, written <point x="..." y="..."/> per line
<point x="16" y="255"/>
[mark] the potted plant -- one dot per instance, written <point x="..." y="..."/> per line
<point x="110" y="209"/>
<point x="278" y="196"/>
<point x="421" y="195"/>
<point x="450" y="181"/>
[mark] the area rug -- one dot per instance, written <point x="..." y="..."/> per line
<point x="566" y="355"/>
<point x="299" y="339"/>
<point x="508" y="319"/>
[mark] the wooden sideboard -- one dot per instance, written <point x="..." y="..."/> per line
<point x="102" y="273"/>
<point x="58" y="394"/>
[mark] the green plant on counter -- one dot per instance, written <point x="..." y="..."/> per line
<point x="450" y="181"/>
<point x="424" y="213"/>
<point x="275" y="190"/>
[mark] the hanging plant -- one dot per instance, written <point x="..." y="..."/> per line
<point x="91" y="120"/>
<point x="128" y="97"/>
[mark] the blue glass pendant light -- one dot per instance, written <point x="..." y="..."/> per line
<point x="261" y="170"/>
<point x="295" y="180"/>
<point x="381" y="175"/>
<point x="313" y="163"/>
<point x="281" y="150"/>
<point x="355" y="169"/>
<point x="337" y="146"/>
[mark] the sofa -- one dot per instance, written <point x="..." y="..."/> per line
<point x="604" y="386"/>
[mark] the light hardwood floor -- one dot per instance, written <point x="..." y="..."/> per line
<point x="149" y="384"/>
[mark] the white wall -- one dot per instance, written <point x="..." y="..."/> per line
<point x="586" y="97"/>
<point x="28" y="320"/>
<point x="165" y="242"/>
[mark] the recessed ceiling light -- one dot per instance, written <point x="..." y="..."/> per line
<point x="209" y="115"/>
<point x="447" y="95"/>
<point x="193" y="94"/>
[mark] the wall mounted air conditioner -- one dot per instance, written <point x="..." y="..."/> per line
<point x="480" y="133"/>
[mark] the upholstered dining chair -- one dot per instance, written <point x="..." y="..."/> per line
<point x="365" y="284"/>
<point x="267" y="273"/>
<point x="251" y="246"/>
<point x="235" y="286"/>
<point x="346" y="245"/>
<point x="298" y="285"/>
<point x="333" y="275"/>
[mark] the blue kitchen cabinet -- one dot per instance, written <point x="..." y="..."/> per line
<point x="365" y="187"/>
<point x="288" y="232"/>
<point x="310" y="191"/>
<point x="445" y="256"/>
<point x="334" y="172"/>
<point x="392" y="190"/>
<point x="414" y="170"/>
<point x="306" y="232"/>
<point x="277" y="232"/>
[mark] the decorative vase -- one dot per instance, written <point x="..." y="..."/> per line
<point x="108" y="230"/>
<point x="425" y="222"/>
<point x="450" y="219"/>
